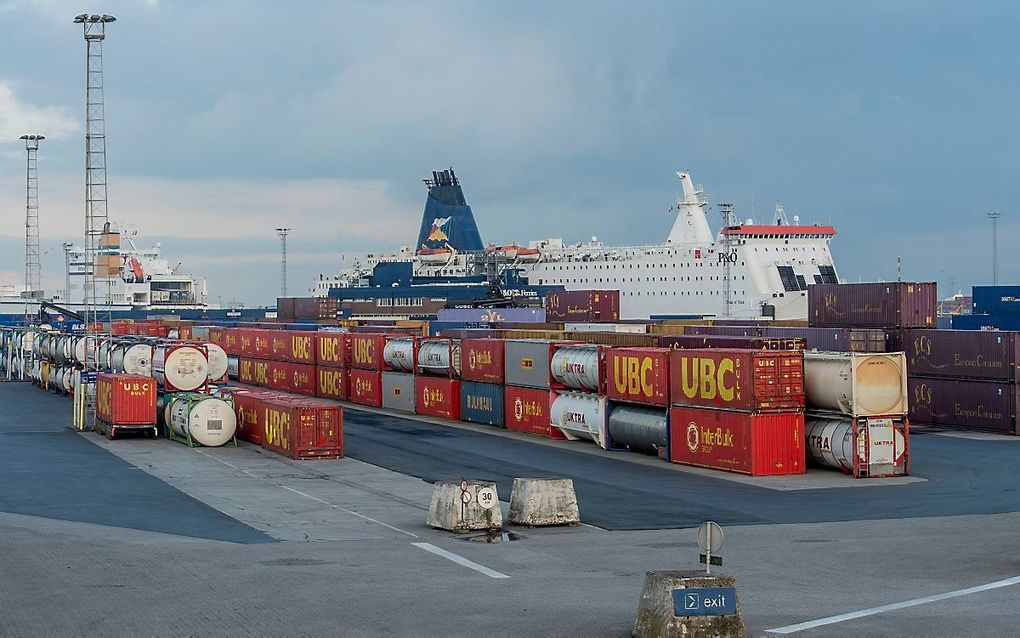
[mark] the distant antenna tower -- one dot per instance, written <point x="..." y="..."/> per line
<point x="781" y="219"/>
<point x="726" y="209"/>
<point x="994" y="216"/>
<point x="33" y="269"/>
<point x="282" y="232"/>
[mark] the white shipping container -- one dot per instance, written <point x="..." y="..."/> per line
<point x="580" y="416"/>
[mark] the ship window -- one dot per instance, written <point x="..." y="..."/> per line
<point x="789" y="279"/>
<point x="828" y="274"/>
<point x="800" y="280"/>
<point x="818" y="279"/>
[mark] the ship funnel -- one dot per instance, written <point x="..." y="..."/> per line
<point x="447" y="221"/>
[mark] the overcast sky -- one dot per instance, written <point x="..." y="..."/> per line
<point x="895" y="121"/>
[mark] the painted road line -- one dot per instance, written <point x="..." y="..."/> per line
<point x="342" y="509"/>
<point x="831" y="620"/>
<point x="460" y="560"/>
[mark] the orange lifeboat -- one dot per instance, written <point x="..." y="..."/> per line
<point x="436" y="255"/>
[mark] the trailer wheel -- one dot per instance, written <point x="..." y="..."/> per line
<point x="111" y="433"/>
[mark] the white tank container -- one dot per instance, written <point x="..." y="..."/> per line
<point x="27" y="340"/>
<point x="831" y="443"/>
<point x="576" y="367"/>
<point x="131" y="358"/>
<point x="398" y="353"/>
<point x="180" y="368"/>
<point x="218" y="364"/>
<point x="208" y="420"/>
<point x="580" y="415"/>
<point x="439" y="356"/>
<point x="856" y="383"/>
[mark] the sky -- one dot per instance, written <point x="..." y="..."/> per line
<point x="894" y="121"/>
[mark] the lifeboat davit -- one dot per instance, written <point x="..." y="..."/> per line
<point x="436" y="255"/>
<point x="514" y="253"/>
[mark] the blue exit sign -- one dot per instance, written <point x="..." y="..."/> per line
<point x="705" y="601"/>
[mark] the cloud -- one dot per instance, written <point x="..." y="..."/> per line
<point x="18" y="117"/>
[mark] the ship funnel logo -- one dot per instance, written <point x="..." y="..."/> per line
<point x="437" y="234"/>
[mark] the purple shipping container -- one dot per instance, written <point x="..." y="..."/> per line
<point x="493" y="315"/>
<point x="962" y="354"/>
<point x="840" y="339"/>
<point x="884" y="304"/>
<point x="725" y="331"/>
<point x="978" y="405"/>
<point x="687" y="342"/>
<point x="583" y="305"/>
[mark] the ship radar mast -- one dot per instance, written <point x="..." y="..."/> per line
<point x="691" y="225"/>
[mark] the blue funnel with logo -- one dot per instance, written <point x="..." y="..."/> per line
<point x="448" y="221"/>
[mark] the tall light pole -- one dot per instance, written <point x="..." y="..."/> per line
<point x="282" y="232"/>
<point x="67" y="270"/>
<point x="33" y="269"/>
<point x="994" y="216"/>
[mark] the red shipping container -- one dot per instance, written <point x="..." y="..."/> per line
<point x="333" y="349"/>
<point x="292" y="377"/>
<point x="303" y="428"/>
<point x="757" y="381"/>
<point x="279" y="345"/>
<point x="366" y="387"/>
<point x="253" y="371"/>
<point x="126" y="399"/>
<point x="248" y="410"/>
<point x="231" y="342"/>
<point x="245" y="341"/>
<point x="184" y="332"/>
<point x="527" y="410"/>
<point x="333" y="383"/>
<point x="437" y="396"/>
<point x="216" y="336"/>
<point x="482" y="360"/>
<point x="883" y="304"/>
<point x="638" y="375"/>
<point x="367" y="351"/>
<point x="262" y="343"/>
<point x="748" y="443"/>
<point x="301" y="347"/>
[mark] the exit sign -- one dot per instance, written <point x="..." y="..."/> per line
<point x="705" y="601"/>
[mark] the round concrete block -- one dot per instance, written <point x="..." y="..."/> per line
<point x="543" y="501"/>
<point x="449" y="511"/>
<point x="656" y="617"/>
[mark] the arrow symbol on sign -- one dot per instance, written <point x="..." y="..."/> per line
<point x="691" y="601"/>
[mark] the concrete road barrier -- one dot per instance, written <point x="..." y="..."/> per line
<point x="690" y="604"/>
<point x="543" y="501"/>
<point x="453" y="511"/>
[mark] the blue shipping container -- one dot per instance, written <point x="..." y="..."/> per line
<point x="977" y="322"/>
<point x="493" y="315"/>
<point x="481" y="403"/>
<point x="997" y="300"/>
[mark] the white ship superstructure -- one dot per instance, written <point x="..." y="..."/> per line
<point x="746" y="270"/>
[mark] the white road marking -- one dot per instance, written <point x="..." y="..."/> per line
<point x="343" y="509"/>
<point x="460" y="560"/>
<point x="831" y="620"/>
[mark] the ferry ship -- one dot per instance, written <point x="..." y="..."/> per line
<point x="745" y="270"/>
<point x="144" y="284"/>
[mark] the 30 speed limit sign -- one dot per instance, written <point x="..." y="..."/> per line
<point x="487" y="497"/>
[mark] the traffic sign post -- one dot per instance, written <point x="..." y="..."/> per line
<point x="487" y="497"/>
<point x="710" y="540"/>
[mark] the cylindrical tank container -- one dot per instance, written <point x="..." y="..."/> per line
<point x="202" y="419"/>
<point x="65" y="378"/>
<point x="398" y="353"/>
<point x="580" y="415"/>
<point x="27" y="339"/>
<point x="180" y="368"/>
<point x="130" y="358"/>
<point x="219" y="366"/>
<point x="862" y="447"/>
<point x="579" y="367"/>
<point x="855" y="383"/>
<point x="637" y="428"/>
<point x="439" y="357"/>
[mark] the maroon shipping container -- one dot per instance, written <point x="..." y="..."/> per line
<point x="749" y="380"/>
<point x="978" y="405"/>
<point x="232" y="341"/>
<point x="245" y="341"/>
<point x="247" y="408"/>
<point x="748" y="443"/>
<point x="333" y="383"/>
<point x="367" y="350"/>
<point x="216" y="335"/>
<point x="302" y="428"/>
<point x="314" y="308"/>
<point x="366" y="386"/>
<point x="962" y="354"/>
<point x="884" y="304"/>
<point x="253" y="371"/>
<point x="126" y="399"/>
<point x="285" y="309"/>
<point x="583" y="305"/>
<point x="724" y="331"/>
<point x="838" y="339"/>
<point x="527" y="410"/>
<point x="638" y="375"/>
<point x="332" y="349"/>
<point x="437" y="396"/>
<point x="482" y="360"/>
<point x="686" y="342"/>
